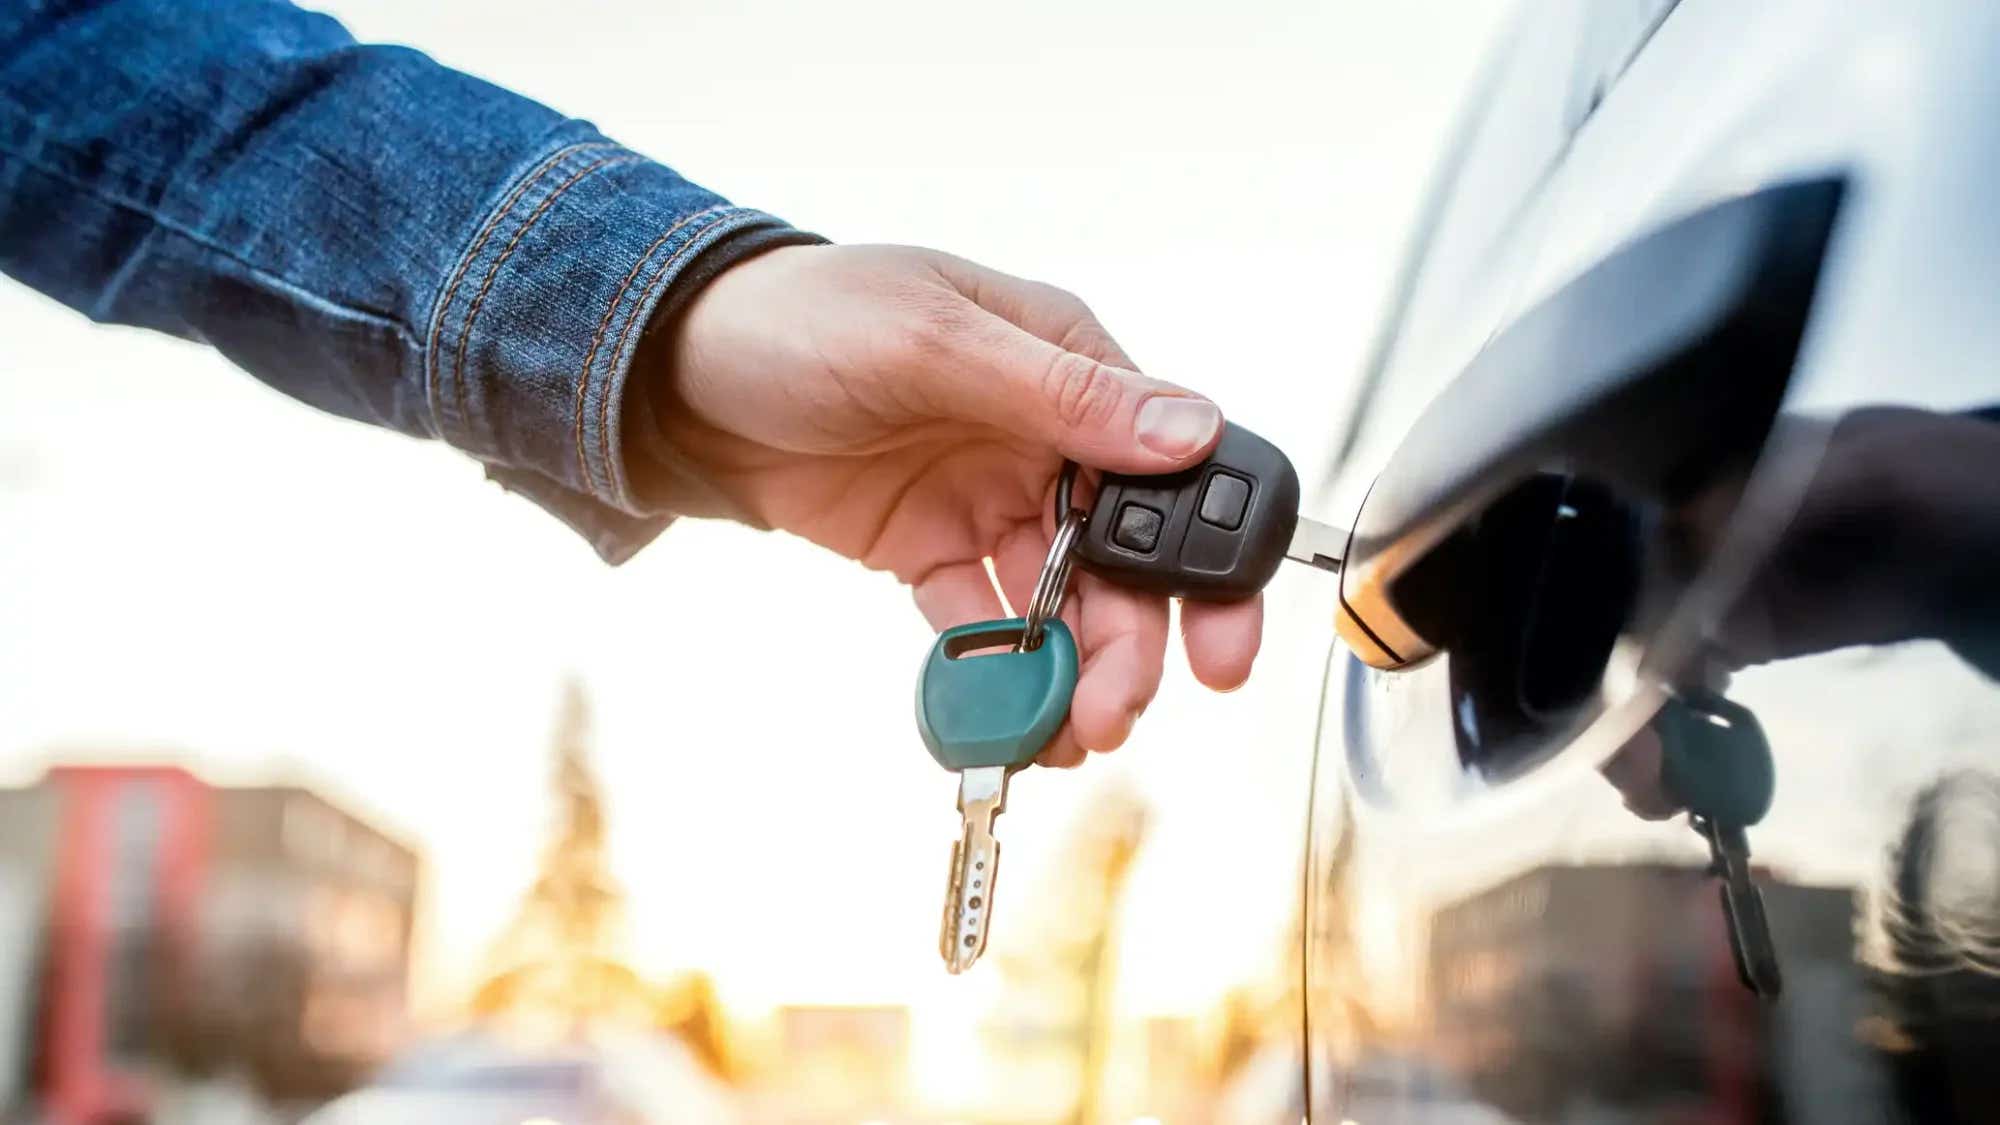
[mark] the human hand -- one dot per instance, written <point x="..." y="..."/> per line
<point x="911" y="410"/>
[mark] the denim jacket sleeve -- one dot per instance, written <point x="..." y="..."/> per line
<point x="366" y="230"/>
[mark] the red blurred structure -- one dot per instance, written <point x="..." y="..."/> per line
<point x="161" y="931"/>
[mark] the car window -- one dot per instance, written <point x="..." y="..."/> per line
<point x="1555" y="66"/>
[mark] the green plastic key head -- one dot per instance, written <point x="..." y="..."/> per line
<point x="994" y="709"/>
<point x="1715" y="759"/>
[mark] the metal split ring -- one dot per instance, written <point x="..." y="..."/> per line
<point x="1053" y="583"/>
<point x="1065" y="486"/>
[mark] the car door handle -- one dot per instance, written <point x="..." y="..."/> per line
<point x="1667" y="358"/>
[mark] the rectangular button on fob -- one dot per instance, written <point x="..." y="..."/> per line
<point x="1223" y="500"/>
<point x="1213" y="532"/>
<point x="1138" y="528"/>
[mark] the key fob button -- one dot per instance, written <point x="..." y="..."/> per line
<point x="1223" y="502"/>
<point x="1138" y="529"/>
<point x="1224" y="525"/>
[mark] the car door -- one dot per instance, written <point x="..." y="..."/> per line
<point x="1687" y="396"/>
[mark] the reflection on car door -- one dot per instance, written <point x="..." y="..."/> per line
<point x="1540" y="944"/>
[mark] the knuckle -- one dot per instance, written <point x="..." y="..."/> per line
<point x="1081" y="330"/>
<point x="1062" y="301"/>
<point x="929" y="325"/>
<point x="1083" y="392"/>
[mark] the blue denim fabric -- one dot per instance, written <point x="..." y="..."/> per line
<point x="365" y="230"/>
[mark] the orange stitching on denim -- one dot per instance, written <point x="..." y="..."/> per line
<point x="618" y="353"/>
<point x="472" y="311"/>
<point x="479" y="243"/>
<point x="597" y="341"/>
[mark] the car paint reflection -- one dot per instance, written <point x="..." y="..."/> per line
<point x="1555" y="957"/>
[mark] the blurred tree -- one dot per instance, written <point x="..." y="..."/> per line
<point x="1058" y="998"/>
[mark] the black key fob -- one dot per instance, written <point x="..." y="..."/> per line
<point x="1215" y="532"/>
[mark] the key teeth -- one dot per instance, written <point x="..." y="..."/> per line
<point x="958" y="956"/>
<point x="948" y="925"/>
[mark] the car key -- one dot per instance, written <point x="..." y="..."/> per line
<point x="983" y="717"/>
<point x="1742" y="908"/>
<point x="1716" y="761"/>
<point x="1215" y="532"/>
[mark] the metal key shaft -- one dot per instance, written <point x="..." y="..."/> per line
<point x="975" y="860"/>
<point x="1317" y="544"/>
<point x="1742" y="908"/>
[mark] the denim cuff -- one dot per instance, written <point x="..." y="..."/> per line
<point x="532" y="338"/>
<point x="615" y="535"/>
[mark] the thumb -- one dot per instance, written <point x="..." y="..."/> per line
<point x="1094" y="412"/>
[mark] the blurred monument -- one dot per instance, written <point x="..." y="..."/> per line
<point x="559" y="963"/>
<point x="562" y="1028"/>
<point x="558" y="959"/>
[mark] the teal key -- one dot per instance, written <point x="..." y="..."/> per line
<point x="1715" y="759"/>
<point x="985" y="714"/>
<point x="999" y="708"/>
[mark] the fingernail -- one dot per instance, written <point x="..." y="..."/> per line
<point x="1175" y="426"/>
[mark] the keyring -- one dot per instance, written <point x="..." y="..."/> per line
<point x="1053" y="582"/>
<point x="1065" y="484"/>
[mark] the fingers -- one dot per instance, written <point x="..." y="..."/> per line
<point x="1032" y="360"/>
<point x="1106" y="417"/>
<point x="955" y="594"/>
<point x="1122" y="639"/>
<point x="1635" y="772"/>
<point x="1222" y="640"/>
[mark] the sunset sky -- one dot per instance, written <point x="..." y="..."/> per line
<point x="193" y="568"/>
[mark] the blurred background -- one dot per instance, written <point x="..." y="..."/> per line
<point x="358" y="790"/>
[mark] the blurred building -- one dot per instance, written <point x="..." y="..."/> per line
<point x="836" y="1063"/>
<point x="1615" y="986"/>
<point x="159" y="930"/>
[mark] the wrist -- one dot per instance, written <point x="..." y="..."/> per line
<point x="675" y="459"/>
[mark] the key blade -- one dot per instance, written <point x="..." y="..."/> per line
<point x="1750" y="940"/>
<point x="1743" y="910"/>
<point x="975" y="860"/>
<point x="1317" y="544"/>
<point x="948" y="926"/>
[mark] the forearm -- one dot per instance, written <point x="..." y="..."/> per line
<point x="362" y="228"/>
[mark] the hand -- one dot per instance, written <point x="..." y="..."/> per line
<point x="911" y="410"/>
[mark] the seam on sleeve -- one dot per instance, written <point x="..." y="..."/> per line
<point x="289" y="286"/>
<point x="621" y="354"/>
<point x="493" y="271"/>
<point x="453" y="421"/>
<point x="604" y="325"/>
<point x="450" y="292"/>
